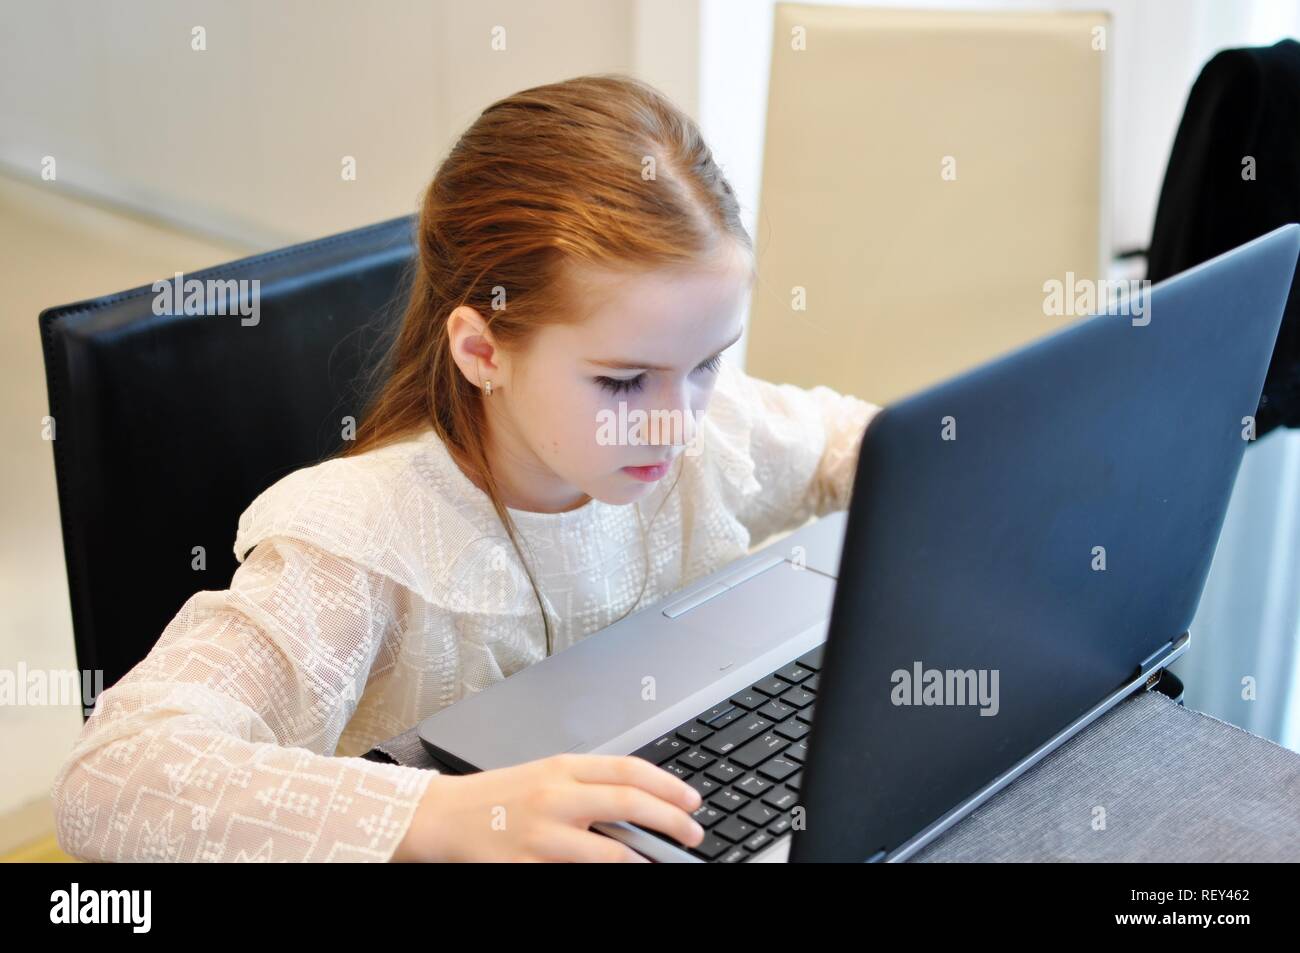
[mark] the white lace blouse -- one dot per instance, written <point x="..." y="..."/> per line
<point x="383" y="588"/>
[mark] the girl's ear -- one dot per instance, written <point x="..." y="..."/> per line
<point x="473" y="347"/>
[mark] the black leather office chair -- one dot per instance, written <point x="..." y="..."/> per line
<point x="166" y="427"/>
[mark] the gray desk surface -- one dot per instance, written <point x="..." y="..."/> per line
<point x="1149" y="781"/>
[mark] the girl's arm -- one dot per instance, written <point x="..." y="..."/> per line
<point x="216" y="747"/>
<point x="804" y="445"/>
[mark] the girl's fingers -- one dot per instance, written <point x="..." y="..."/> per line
<point x="637" y="772"/>
<point x="621" y="802"/>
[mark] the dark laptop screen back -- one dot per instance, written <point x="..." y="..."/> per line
<point x="1061" y="535"/>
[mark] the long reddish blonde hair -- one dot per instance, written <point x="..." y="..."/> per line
<point x="601" y="170"/>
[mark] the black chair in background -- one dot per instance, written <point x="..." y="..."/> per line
<point x="1233" y="175"/>
<point x="167" y="426"/>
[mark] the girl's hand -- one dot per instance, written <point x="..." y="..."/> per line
<point x="540" y="811"/>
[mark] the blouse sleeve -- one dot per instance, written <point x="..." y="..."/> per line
<point x="217" y="746"/>
<point x="804" y="447"/>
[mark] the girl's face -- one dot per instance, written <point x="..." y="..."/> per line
<point x="649" y="342"/>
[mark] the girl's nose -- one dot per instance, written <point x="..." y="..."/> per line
<point x="677" y="427"/>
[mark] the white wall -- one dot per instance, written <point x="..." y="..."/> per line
<point x="245" y="139"/>
<point x="1158" y="47"/>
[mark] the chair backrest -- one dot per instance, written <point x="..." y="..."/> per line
<point x="924" y="173"/>
<point x="167" y="425"/>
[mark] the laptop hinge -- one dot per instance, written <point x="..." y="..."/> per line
<point x="1149" y="662"/>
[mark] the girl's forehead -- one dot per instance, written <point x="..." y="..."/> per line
<point x="675" y="301"/>
<point x="669" y="325"/>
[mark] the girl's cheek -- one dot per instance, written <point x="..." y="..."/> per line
<point x="705" y="393"/>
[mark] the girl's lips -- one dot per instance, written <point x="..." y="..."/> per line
<point x="647" y="474"/>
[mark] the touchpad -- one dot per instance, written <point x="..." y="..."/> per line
<point x="766" y="609"/>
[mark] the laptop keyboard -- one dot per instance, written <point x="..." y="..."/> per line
<point x="745" y="756"/>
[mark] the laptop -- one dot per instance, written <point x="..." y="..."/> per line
<point x="1025" y="547"/>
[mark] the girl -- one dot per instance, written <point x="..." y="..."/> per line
<point x="579" y="255"/>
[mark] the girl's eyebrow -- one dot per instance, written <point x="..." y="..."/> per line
<point x="634" y="365"/>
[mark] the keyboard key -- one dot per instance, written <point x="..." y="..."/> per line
<point x="728" y="800"/>
<point x="736" y="855"/>
<point x="813" y="659"/>
<point x="704" y="784"/>
<point x="657" y="752"/>
<point x="794" y="673"/>
<point x="792" y="728"/>
<point x="797" y="751"/>
<point x="757" y="841"/>
<point x="734" y="829"/>
<point x="678" y="770"/>
<point x="775" y="711"/>
<point x="752" y="785"/>
<point x="797" y="697"/>
<point x="724" y="772"/>
<point x="717" y="711"/>
<point x="696" y="760"/>
<point x="806" y="716"/>
<point x="711" y="846"/>
<point x="778" y="769"/>
<point x="782" y="798"/>
<point x="736" y="734"/>
<point x="706" y="815"/>
<point x="811" y="684"/>
<point x="758" y="814"/>
<point x="771" y="685"/>
<point x="758" y="750"/>
<point x="694" y="732"/>
<point x="748" y="699"/>
<point x="725" y="719"/>
<point x="779" y="826"/>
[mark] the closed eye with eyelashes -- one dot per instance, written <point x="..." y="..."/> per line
<point x="624" y="385"/>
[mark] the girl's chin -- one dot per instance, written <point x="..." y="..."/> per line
<point x="627" y="490"/>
